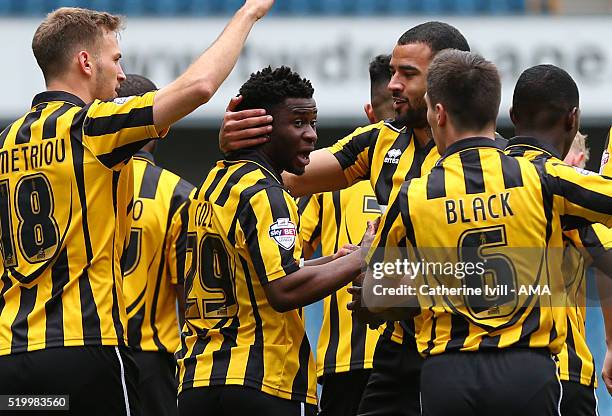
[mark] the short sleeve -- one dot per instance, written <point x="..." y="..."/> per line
<point x="115" y="130"/>
<point x="269" y="223"/>
<point x="353" y="152"/>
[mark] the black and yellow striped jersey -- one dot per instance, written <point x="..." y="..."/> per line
<point x="335" y="219"/>
<point x="576" y="362"/>
<point x="60" y="199"/>
<point x="242" y="234"/>
<point x="386" y="155"/>
<point x="606" y="165"/>
<point x="481" y="206"/>
<point x="155" y="260"/>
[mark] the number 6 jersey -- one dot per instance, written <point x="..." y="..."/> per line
<point x="242" y="234"/>
<point x="60" y="208"/>
<point x="483" y="231"/>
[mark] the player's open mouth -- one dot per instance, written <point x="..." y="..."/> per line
<point x="303" y="158"/>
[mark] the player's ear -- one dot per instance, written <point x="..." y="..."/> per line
<point x="572" y="119"/>
<point x="369" y="110"/>
<point x="512" y="116"/>
<point x="85" y="62"/>
<point x="441" y="115"/>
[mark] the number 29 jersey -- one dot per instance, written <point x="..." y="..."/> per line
<point x="242" y="234"/>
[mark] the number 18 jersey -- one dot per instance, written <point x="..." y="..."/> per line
<point x="62" y="220"/>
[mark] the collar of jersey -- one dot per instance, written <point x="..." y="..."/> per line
<point x="254" y="157"/>
<point x="528" y="142"/>
<point x="470" y="143"/>
<point x="48" y="96"/>
<point x="141" y="154"/>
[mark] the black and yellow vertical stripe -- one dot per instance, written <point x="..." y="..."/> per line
<point x="581" y="246"/>
<point x="484" y="202"/>
<point x="62" y="227"/>
<point x="242" y="234"/>
<point x="155" y="260"/>
<point x="333" y="219"/>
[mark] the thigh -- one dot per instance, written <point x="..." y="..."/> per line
<point x="342" y="392"/>
<point x="200" y="401"/>
<point x="157" y="385"/>
<point x="394" y="384"/>
<point x="245" y="401"/>
<point x="578" y="400"/>
<point x="98" y="380"/>
<point x="449" y="386"/>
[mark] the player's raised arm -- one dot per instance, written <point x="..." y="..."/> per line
<point x="202" y="79"/>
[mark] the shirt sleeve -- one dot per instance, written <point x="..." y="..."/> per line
<point x="584" y="195"/>
<point x="353" y="152"/>
<point x="269" y="224"/>
<point x="309" y="209"/>
<point x="115" y="130"/>
<point x="592" y="240"/>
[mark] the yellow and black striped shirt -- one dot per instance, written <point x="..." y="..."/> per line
<point x="386" y="155"/>
<point x="606" y="164"/>
<point x="335" y="219"/>
<point x="243" y="234"/>
<point x="481" y="202"/>
<point x="61" y="279"/>
<point x="576" y="362"/>
<point x="155" y="259"/>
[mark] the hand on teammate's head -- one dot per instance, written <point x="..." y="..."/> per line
<point x="242" y="129"/>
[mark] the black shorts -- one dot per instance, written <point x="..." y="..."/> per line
<point x="238" y="401"/>
<point x="157" y="383"/>
<point x="394" y="384"/>
<point x="99" y="380"/>
<point x="342" y="392"/>
<point x="502" y="383"/>
<point x="578" y="400"/>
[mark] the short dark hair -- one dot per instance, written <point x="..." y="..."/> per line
<point x="270" y="87"/>
<point x="542" y="95"/>
<point x="135" y="84"/>
<point x="467" y="85"/>
<point x="379" y="71"/>
<point x="66" y="29"/>
<point x="437" y="35"/>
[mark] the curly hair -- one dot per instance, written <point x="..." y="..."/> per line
<point x="269" y="87"/>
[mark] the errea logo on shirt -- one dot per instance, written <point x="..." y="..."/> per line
<point x="122" y="100"/>
<point x="393" y="156"/>
<point x="283" y="232"/>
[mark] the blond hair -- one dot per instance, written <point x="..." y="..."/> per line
<point x="579" y="145"/>
<point x="66" y="29"/>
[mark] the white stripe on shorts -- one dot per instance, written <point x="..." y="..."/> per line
<point x="125" y="393"/>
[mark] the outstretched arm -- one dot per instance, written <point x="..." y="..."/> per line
<point x="201" y="80"/>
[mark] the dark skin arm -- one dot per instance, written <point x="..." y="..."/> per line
<point x="313" y="283"/>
